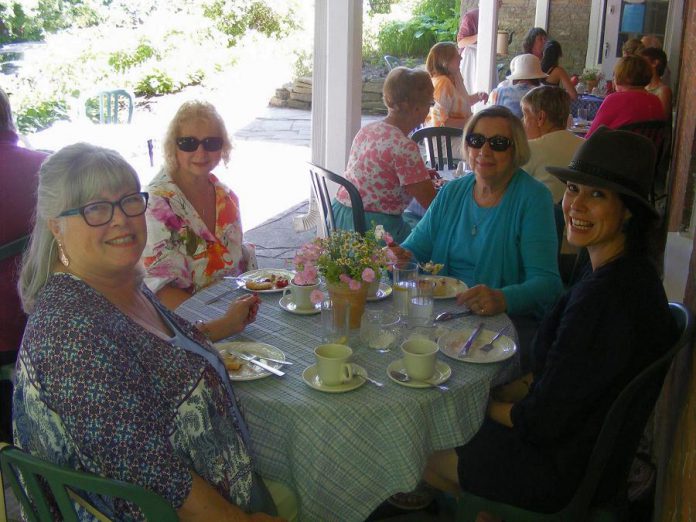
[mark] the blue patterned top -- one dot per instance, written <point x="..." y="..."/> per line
<point x="97" y="392"/>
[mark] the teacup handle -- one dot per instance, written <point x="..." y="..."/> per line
<point x="286" y="290"/>
<point x="346" y="372"/>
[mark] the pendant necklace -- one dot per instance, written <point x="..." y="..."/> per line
<point x="478" y="215"/>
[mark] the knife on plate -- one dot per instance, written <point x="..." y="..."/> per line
<point x="470" y="341"/>
<point x="260" y="364"/>
<point x="243" y="354"/>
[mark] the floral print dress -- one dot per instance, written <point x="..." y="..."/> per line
<point x="180" y="250"/>
<point x="98" y="393"/>
<point x="382" y="162"/>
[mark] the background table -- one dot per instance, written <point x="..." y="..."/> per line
<point x="586" y="101"/>
<point x="345" y="453"/>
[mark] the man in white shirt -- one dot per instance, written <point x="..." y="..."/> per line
<point x="545" y="113"/>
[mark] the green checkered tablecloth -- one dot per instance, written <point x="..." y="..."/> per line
<point x="345" y="453"/>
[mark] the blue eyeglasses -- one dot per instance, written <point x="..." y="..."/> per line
<point x="101" y="212"/>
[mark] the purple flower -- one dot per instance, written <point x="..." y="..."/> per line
<point x="368" y="275"/>
<point x="317" y="296"/>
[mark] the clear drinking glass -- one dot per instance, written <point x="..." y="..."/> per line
<point x="379" y="330"/>
<point x="421" y="303"/>
<point x="405" y="275"/>
<point x="334" y="329"/>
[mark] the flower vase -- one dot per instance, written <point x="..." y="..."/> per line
<point x="347" y="301"/>
<point x="591" y="84"/>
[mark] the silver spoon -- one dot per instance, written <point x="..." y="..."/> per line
<point x="446" y="316"/>
<point x="402" y="377"/>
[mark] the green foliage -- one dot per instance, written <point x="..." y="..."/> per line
<point x="303" y="64"/>
<point x="41" y="115"/>
<point x="49" y="16"/>
<point x="434" y="21"/>
<point x="380" y="6"/>
<point x="156" y="82"/>
<point x="123" y="60"/>
<point x="16" y="25"/>
<point x="234" y="18"/>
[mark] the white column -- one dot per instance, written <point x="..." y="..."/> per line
<point x="541" y="19"/>
<point x="336" y="87"/>
<point x="485" y="46"/>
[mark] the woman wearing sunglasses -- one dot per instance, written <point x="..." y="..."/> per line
<point x="193" y="220"/>
<point x="495" y="229"/>
<point x="108" y="380"/>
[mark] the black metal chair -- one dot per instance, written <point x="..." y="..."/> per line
<point x="658" y="132"/>
<point x="438" y="145"/>
<point x="613" y="451"/>
<point x="319" y="176"/>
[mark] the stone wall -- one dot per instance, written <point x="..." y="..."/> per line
<point x="298" y="95"/>
<point x="568" y="23"/>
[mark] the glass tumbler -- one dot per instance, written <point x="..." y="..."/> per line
<point x="405" y="275"/>
<point x="379" y="330"/>
<point x="334" y="329"/>
<point x="421" y="303"/>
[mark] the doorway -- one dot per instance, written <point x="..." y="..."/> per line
<point x="622" y="20"/>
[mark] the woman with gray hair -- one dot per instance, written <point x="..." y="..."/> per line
<point x="494" y="229"/>
<point x="194" y="223"/>
<point x="108" y="380"/>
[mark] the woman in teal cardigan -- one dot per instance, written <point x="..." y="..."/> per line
<point x="494" y="229"/>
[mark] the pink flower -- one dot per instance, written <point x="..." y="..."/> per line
<point x="354" y="285"/>
<point x="388" y="239"/>
<point x="317" y="296"/>
<point x="308" y="276"/>
<point x="345" y="278"/>
<point x="161" y="211"/>
<point x="368" y="275"/>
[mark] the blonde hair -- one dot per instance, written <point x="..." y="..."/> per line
<point x="521" y="152"/>
<point x="68" y="179"/>
<point x="439" y="57"/>
<point x="189" y="111"/>
<point x="404" y="85"/>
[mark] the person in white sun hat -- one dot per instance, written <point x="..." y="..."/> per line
<point x="526" y="74"/>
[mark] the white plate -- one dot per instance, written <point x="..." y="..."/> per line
<point x="442" y="373"/>
<point x="451" y="343"/>
<point x="287" y="304"/>
<point x="249" y="371"/>
<point x="384" y="291"/>
<point x="263" y="273"/>
<point x="311" y="378"/>
<point x="453" y="287"/>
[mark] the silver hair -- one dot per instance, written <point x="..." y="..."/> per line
<point x="521" y="152"/>
<point x="6" y="122"/>
<point x="193" y="110"/>
<point x="70" y="178"/>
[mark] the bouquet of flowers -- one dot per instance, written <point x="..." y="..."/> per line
<point x="344" y="257"/>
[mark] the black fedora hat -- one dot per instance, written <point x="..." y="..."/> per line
<point x="618" y="160"/>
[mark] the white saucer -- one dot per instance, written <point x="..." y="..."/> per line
<point x="442" y="373"/>
<point x="384" y="291"/>
<point x="311" y="377"/>
<point x="287" y="304"/>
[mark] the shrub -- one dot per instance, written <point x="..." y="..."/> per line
<point x="41" y="115"/>
<point x="156" y="83"/>
<point x="124" y="60"/>
<point x="235" y="18"/>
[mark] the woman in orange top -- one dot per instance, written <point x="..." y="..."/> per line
<point x="452" y="102"/>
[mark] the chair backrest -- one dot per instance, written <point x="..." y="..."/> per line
<point x="656" y="131"/>
<point x="319" y="176"/>
<point x="105" y="106"/>
<point x="66" y="484"/>
<point x="392" y="61"/>
<point x="14" y="248"/>
<point x="438" y="144"/>
<point x="618" y="439"/>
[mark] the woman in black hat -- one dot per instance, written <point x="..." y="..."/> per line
<point x="533" y="446"/>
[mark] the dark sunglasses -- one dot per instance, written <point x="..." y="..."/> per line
<point x="190" y="144"/>
<point x="497" y="143"/>
<point x="101" y="212"/>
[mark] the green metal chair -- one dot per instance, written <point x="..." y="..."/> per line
<point x="105" y="106"/>
<point x="613" y="451"/>
<point x="65" y="484"/>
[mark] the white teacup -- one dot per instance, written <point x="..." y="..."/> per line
<point x="419" y="357"/>
<point x="301" y="295"/>
<point x="332" y="366"/>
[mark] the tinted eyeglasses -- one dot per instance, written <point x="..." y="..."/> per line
<point x="190" y="144"/>
<point x="497" y="143"/>
<point x="101" y="212"/>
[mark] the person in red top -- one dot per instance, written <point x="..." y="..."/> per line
<point x="19" y="169"/>
<point x="630" y="103"/>
<point x="467" y="36"/>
